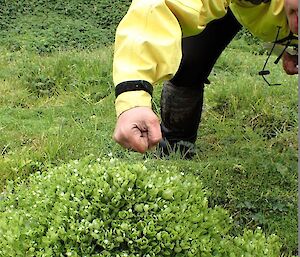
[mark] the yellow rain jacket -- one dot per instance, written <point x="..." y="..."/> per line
<point x="148" y="39"/>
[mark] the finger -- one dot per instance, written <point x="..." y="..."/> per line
<point x="138" y="140"/>
<point x="154" y="133"/>
<point x="291" y="69"/>
<point x="290" y="64"/>
<point x="121" y="141"/>
<point x="131" y="137"/>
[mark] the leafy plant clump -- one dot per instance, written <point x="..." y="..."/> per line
<point x="110" y="208"/>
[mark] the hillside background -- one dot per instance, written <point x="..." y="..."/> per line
<point x="45" y="26"/>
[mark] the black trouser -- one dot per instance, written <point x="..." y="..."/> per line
<point x="182" y="96"/>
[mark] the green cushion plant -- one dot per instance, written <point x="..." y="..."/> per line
<point x="111" y="208"/>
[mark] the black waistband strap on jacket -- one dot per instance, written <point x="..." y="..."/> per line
<point x="133" y="85"/>
<point x="257" y="2"/>
<point x="290" y="37"/>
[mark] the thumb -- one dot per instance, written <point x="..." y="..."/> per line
<point x="138" y="139"/>
<point x="145" y="136"/>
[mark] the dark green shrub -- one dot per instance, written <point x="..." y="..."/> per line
<point x="116" y="209"/>
<point x="46" y="26"/>
<point x="246" y="41"/>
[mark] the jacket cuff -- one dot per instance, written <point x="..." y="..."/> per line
<point x="133" y="85"/>
<point x="131" y="99"/>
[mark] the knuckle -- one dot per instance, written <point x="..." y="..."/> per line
<point x="153" y="121"/>
<point x="116" y="137"/>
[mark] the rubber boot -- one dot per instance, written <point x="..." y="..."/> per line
<point x="181" y="109"/>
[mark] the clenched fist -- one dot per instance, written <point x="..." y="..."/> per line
<point x="138" y="129"/>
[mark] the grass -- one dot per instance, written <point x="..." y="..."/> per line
<point x="59" y="107"/>
<point x="42" y="125"/>
<point x="249" y="141"/>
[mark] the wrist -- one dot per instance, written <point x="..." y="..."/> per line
<point x="130" y="99"/>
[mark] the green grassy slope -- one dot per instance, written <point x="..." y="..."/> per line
<point x="247" y="145"/>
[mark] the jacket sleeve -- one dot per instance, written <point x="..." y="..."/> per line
<point x="262" y="20"/>
<point x="148" y="42"/>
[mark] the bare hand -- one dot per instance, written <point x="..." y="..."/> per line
<point x="138" y="129"/>
<point x="290" y="63"/>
